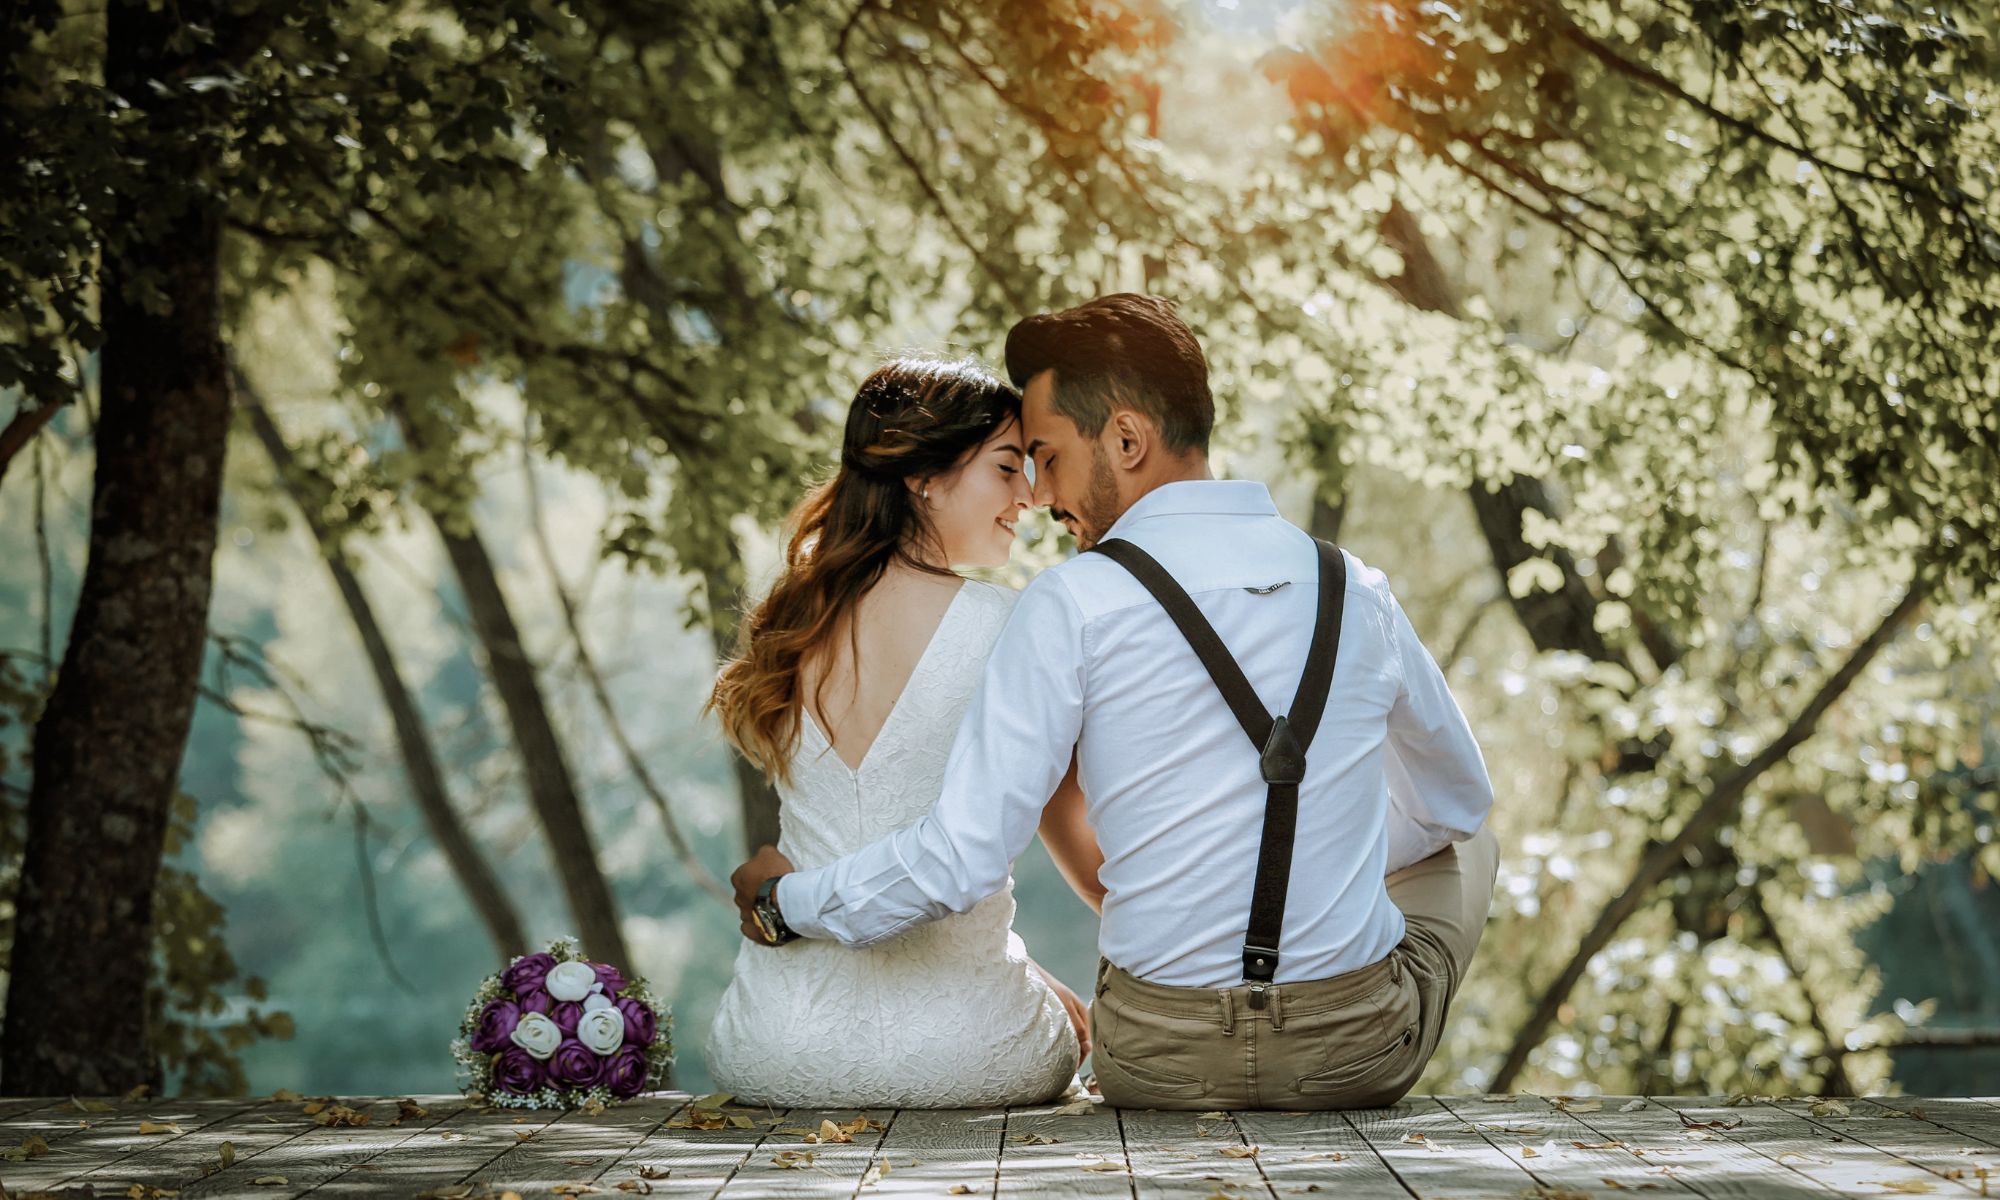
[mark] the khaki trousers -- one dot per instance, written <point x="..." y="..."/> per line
<point x="1358" y="1040"/>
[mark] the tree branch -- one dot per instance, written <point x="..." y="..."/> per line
<point x="1725" y="793"/>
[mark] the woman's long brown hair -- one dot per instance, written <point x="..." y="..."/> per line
<point x="913" y="419"/>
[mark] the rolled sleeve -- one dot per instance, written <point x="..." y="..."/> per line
<point x="1012" y="749"/>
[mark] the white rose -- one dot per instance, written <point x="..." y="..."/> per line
<point x="570" y="980"/>
<point x="536" y="1034"/>
<point x="602" y="1029"/>
<point x="597" y="1000"/>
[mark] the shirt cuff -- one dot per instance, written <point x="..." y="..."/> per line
<point x="795" y="905"/>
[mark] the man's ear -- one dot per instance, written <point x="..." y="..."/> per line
<point x="1131" y="438"/>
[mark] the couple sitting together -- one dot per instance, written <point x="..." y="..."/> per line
<point x="1226" y="732"/>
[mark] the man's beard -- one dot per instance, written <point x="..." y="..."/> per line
<point x="1099" y="510"/>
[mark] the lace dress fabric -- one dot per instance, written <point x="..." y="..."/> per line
<point x="947" y="1015"/>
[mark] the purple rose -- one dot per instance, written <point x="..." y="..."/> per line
<point x="537" y="1001"/>
<point x="625" y="1072"/>
<point x="496" y="1021"/>
<point x="610" y="977"/>
<point x="640" y="1023"/>
<point x="574" y="1066"/>
<point x="516" y="1072"/>
<point x="526" y="974"/>
<point x="566" y="1014"/>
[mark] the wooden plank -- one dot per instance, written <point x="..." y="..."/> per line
<point x="437" y="1159"/>
<point x="173" y="1164"/>
<point x="318" y="1153"/>
<point x="1921" y="1143"/>
<point x="578" y="1149"/>
<point x="786" y="1167"/>
<point x="1706" y="1161"/>
<point x="1303" y="1152"/>
<point x="1560" y="1151"/>
<point x="1976" y="1119"/>
<point x="1436" y="1154"/>
<point x="1048" y="1146"/>
<point x="1845" y="1165"/>
<point x="23" y="1105"/>
<point x="80" y="1142"/>
<point x="1174" y="1154"/>
<point x="678" y="1161"/>
<point x="932" y="1152"/>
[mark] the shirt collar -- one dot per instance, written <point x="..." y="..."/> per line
<point x="1188" y="497"/>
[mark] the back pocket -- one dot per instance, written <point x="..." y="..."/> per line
<point x="1356" y="1072"/>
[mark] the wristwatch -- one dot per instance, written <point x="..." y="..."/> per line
<point x="771" y="922"/>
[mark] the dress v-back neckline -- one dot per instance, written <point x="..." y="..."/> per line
<point x="923" y="657"/>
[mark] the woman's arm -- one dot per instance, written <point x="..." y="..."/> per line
<point x="1071" y="842"/>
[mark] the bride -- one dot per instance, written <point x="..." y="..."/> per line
<point x="848" y="690"/>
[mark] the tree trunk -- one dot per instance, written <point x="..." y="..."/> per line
<point x="551" y="787"/>
<point x="474" y="873"/>
<point x="1560" y="620"/>
<point x="108" y="747"/>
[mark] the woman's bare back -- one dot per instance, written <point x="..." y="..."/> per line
<point x="851" y="687"/>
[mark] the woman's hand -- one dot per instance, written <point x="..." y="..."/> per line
<point x="1079" y="1012"/>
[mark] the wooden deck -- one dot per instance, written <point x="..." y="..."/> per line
<point x="1435" y="1147"/>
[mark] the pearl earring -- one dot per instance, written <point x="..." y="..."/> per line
<point x="927" y="492"/>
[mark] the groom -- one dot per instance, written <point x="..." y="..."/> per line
<point x="1287" y="915"/>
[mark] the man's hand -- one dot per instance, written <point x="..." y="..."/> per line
<point x="746" y="879"/>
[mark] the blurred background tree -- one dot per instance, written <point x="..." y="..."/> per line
<point x="1649" y="351"/>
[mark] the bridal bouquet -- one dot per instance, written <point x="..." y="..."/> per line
<point x="554" y="1030"/>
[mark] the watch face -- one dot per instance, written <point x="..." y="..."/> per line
<point x="765" y="925"/>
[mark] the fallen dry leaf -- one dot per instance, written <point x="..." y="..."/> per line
<point x="1570" y="1105"/>
<point x="1828" y="1108"/>
<point x="873" y="1175"/>
<point x="958" y="1189"/>
<point x="576" y="1189"/>
<point x="793" y="1160"/>
<point x="1598" y="1145"/>
<point x="91" y="1105"/>
<point x="1239" y="1151"/>
<point x="639" y="1186"/>
<point x="1076" y="1108"/>
<point x="1632" y="1106"/>
<point x="270" y="1181"/>
<point x="159" y="1127"/>
<point x="655" y="1172"/>
<point x="138" y="1092"/>
<point x="1035" y="1139"/>
<point x="1905" y="1187"/>
<point x="30" y="1146"/>
<point x="335" y="1115"/>
<point x="1530" y="1152"/>
<point x="227" y="1153"/>
<point x="829" y="1132"/>
<point x="409" y="1110"/>
<point x="1103" y="1165"/>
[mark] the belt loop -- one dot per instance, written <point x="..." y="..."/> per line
<point x="1277" y="1009"/>
<point x="1228" y="1013"/>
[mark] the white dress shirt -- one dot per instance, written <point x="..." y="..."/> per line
<point x="1090" y="661"/>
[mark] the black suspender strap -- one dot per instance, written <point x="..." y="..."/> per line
<point x="1282" y="741"/>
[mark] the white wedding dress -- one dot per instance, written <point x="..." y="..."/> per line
<point x="947" y="1015"/>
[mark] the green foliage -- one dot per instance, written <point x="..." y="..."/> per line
<point x="199" y="1025"/>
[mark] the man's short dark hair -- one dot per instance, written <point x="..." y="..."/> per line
<point x="1124" y="350"/>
